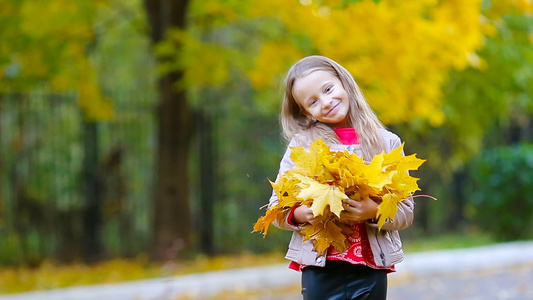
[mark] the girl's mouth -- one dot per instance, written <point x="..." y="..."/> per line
<point x="333" y="109"/>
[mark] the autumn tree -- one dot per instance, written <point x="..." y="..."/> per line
<point x="229" y="56"/>
<point x="50" y="43"/>
<point x="484" y="107"/>
<point x="430" y="38"/>
<point x="399" y="52"/>
<point x="172" y="228"/>
<point x="49" y="49"/>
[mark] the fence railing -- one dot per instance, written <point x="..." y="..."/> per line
<point x="71" y="188"/>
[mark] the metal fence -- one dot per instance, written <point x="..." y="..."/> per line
<point x="71" y="188"/>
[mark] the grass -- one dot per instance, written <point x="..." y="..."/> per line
<point x="447" y="241"/>
<point x="51" y="275"/>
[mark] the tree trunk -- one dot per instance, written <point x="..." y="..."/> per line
<point x="171" y="215"/>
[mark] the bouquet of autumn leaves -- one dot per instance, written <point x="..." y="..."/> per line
<point x="323" y="179"/>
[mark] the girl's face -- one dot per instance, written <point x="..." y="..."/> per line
<point x="323" y="97"/>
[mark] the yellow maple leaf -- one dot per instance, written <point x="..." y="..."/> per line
<point x="403" y="184"/>
<point x="395" y="160"/>
<point x="374" y="173"/>
<point x="322" y="195"/>
<point x="286" y="191"/>
<point x="310" y="162"/>
<point x="347" y="169"/>
<point x="387" y="208"/>
<point x="305" y="162"/>
<point x="324" y="235"/>
<point x="410" y="162"/>
<point x="394" y="156"/>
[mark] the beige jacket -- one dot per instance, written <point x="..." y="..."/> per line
<point x="385" y="243"/>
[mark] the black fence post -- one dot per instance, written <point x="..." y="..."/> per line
<point x="91" y="216"/>
<point x="207" y="179"/>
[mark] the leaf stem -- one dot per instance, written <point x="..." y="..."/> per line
<point x="427" y="196"/>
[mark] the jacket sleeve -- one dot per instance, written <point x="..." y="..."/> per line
<point x="286" y="164"/>
<point x="405" y="213"/>
<point x="403" y="218"/>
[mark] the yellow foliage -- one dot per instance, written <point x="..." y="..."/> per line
<point x="398" y="51"/>
<point x="49" y="40"/>
<point x="50" y="275"/>
<point x="60" y="83"/>
<point x="53" y="19"/>
<point x="93" y="104"/>
<point x="501" y="7"/>
<point x="215" y="9"/>
<point x="326" y="234"/>
<point x="322" y="195"/>
<point x="204" y="64"/>
<point x="323" y="179"/>
<point x="90" y="98"/>
<point x="35" y="62"/>
<point x="216" y="62"/>
<point x="265" y="65"/>
<point x="6" y="9"/>
<point x="264" y="222"/>
<point x="310" y="162"/>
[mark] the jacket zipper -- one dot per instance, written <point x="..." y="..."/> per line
<point x="381" y="254"/>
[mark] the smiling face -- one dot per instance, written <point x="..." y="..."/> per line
<point x="323" y="98"/>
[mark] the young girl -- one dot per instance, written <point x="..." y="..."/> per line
<point x="322" y="100"/>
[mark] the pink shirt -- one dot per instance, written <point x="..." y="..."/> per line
<point x="347" y="136"/>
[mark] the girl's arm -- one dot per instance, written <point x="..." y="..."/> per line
<point x="302" y="214"/>
<point x="366" y="211"/>
<point x="405" y="213"/>
<point x="403" y="218"/>
<point x="359" y="211"/>
<point x="286" y="164"/>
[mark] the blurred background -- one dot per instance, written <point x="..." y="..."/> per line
<point x="141" y="133"/>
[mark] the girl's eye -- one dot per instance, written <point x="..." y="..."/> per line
<point x="329" y="89"/>
<point x="313" y="102"/>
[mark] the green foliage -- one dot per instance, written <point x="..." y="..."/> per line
<point x="122" y="55"/>
<point x="501" y="191"/>
<point x="45" y="69"/>
<point x="502" y="87"/>
<point x="481" y="100"/>
<point x="41" y="182"/>
<point x="101" y="50"/>
<point x="481" y="107"/>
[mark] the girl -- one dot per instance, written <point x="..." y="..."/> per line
<point x="322" y="100"/>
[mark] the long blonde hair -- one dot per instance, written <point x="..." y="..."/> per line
<point x="360" y="116"/>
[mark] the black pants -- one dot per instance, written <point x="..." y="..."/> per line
<point x="340" y="280"/>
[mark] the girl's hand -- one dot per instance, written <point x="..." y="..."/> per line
<point x="303" y="214"/>
<point x="359" y="211"/>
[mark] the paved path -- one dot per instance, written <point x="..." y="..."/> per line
<point x="448" y="274"/>
<point x="509" y="283"/>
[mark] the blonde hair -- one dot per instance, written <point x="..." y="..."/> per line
<point x="294" y="119"/>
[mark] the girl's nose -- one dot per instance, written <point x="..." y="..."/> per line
<point x="326" y="102"/>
